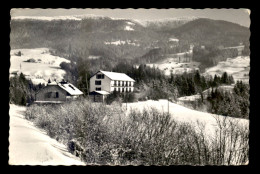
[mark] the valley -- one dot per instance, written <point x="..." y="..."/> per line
<point x="130" y="91"/>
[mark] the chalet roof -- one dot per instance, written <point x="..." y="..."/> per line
<point x="117" y="76"/>
<point x="71" y="89"/>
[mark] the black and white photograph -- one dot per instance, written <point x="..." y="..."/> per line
<point x="129" y="87"/>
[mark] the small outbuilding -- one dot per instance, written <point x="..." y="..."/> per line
<point x="98" y="96"/>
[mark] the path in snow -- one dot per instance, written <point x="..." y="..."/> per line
<point x="32" y="146"/>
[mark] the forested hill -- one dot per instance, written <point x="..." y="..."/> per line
<point x="98" y="36"/>
<point x="122" y="39"/>
<point x="212" y="32"/>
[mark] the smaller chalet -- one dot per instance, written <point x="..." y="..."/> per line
<point x="57" y="93"/>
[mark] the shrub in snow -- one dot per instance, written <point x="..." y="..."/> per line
<point x="105" y="135"/>
<point x="32" y="60"/>
<point x="19" y="53"/>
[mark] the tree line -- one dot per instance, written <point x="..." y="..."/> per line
<point x="22" y="90"/>
<point x="235" y="103"/>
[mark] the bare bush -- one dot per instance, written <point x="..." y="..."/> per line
<point x="101" y="134"/>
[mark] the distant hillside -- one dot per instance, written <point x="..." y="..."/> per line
<point x="211" y="32"/>
<point x="115" y="40"/>
<point x="167" y="24"/>
<point x="83" y="37"/>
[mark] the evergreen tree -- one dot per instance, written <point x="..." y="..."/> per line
<point x="224" y="78"/>
<point x="84" y="75"/>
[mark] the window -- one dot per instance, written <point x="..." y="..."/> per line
<point x="126" y="83"/>
<point x="98" y="89"/>
<point x="52" y="95"/>
<point x="115" y="83"/>
<point x="123" y="89"/>
<point x="129" y="89"/>
<point x="118" y="89"/>
<point x="48" y="95"/>
<point x="126" y="90"/>
<point x="98" y="82"/>
<point x="114" y="89"/>
<point x="118" y="83"/>
<point x="123" y="83"/>
<point x="100" y="76"/>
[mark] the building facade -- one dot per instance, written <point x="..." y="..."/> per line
<point x="111" y="81"/>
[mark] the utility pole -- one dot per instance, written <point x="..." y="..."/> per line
<point x="168" y="100"/>
<point x="87" y="84"/>
<point x="125" y="98"/>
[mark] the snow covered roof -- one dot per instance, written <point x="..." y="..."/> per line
<point x="48" y="102"/>
<point x="52" y="83"/>
<point x="102" y="92"/>
<point x="71" y="89"/>
<point x="117" y="76"/>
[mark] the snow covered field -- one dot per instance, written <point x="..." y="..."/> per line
<point x="168" y="66"/>
<point x="238" y="67"/>
<point x="31" y="146"/>
<point x="228" y="88"/>
<point x="183" y="114"/>
<point x="44" y="67"/>
<point x="122" y="42"/>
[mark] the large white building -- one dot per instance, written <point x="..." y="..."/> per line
<point x="104" y="82"/>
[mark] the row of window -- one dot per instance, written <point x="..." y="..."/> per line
<point x="120" y="83"/>
<point x="123" y="89"/>
<point x="118" y="89"/>
<point x="123" y="83"/>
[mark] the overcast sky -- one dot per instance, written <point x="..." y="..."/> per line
<point x="239" y="16"/>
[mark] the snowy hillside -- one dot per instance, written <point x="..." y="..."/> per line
<point x="48" y="18"/>
<point x="166" y="20"/>
<point x="238" y="67"/>
<point x="31" y="146"/>
<point x="205" y="93"/>
<point x="122" y="42"/>
<point x="37" y="64"/>
<point x="168" y="65"/>
<point x="183" y="114"/>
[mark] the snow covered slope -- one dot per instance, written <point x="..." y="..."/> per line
<point x="168" y="65"/>
<point x="45" y="66"/>
<point x="31" y="146"/>
<point x="183" y="114"/>
<point x="238" y="67"/>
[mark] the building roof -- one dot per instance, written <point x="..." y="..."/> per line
<point x="54" y="102"/>
<point x="117" y="76"/>
<point x="71" y="89"/>
<point x="99" y="92"/>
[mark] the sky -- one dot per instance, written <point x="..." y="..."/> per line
<point x="239" y="16"/>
